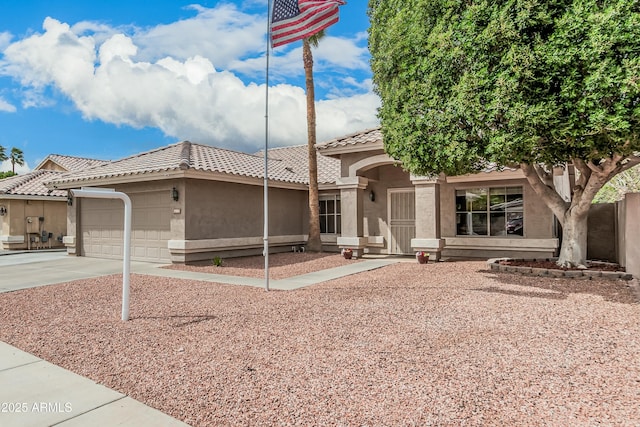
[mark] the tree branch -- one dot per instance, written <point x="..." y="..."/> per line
<point x="585" y="173"/>
<point x="556" y="203"/>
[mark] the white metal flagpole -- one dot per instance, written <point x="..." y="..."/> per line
<point x="266" y="156"/>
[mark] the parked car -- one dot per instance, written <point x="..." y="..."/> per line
<point x="514" y="226"/>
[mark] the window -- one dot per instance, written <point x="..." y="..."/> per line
<point x="489" y="212"/>
<point x="330" y="214"/>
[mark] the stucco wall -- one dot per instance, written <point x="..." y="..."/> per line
<point x="51" y="166"/>
<point x="538" y="219"/>
<point x="601" y="239"/>
<point x="14" y="224"/>
<point x="228" y="210"/>
<point x="632" y="234"/>
<point x="72" y="232"/>
<point x="621" y="221"/>
<point x="375" y="221"/>
<point x="213" y="217"/>
<point x="346" y="160"/>
<point x="538" y="239"/>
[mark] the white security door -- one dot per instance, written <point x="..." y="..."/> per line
<point x="402" y="220"/>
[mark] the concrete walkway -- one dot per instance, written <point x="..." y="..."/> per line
<point x="36" y="393"/>
<point x="28" y="270"/>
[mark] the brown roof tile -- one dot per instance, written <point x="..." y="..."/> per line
<point x="31" y="184"/>
<point x="71" y="163"/>
<point x="296" y="162"/>
<point x="356" y="140"/>
<point x="286" y="164"/>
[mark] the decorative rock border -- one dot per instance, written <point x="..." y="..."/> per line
<point x="494" y="265"/>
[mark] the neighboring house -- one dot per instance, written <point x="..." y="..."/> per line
<point x="32" y="215"/>
<point x="192" y="202"/>
<point x="386" y="210"/>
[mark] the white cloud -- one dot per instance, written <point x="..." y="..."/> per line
<point x="333" y="53"/>
<point x="180" y="78"/>
<point x="5" y="39"/>
<point x="221" y="34"/>
<point x="5" y="166"/>
<point x="6" y="107"/>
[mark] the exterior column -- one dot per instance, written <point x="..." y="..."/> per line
<point x="631" y="246"/>
<point x="351" y="213"/>
<point x="427" y="193"/>
<point x="70" y="240"/>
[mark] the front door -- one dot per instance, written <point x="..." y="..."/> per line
<point x="402" y="220"/>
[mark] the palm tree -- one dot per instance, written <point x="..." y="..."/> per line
<point x="314" y="244"/>
<point x="3" y="155"/>
<point x="17" y="158"/>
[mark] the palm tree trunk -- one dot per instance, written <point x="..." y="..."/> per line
<point x="314" y="244"/>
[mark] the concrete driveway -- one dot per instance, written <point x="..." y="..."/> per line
<point x="31" y="269"/>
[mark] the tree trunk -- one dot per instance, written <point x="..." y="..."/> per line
<point x="573" y="216"/>
<point x="314" y="244"/>
<point x="573" y="252"/>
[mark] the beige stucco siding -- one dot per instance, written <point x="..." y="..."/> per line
<point x="52" y="166"/>
<point x="227" y="210"/>
<point x="375" y="221"/>
<point x="14" y="223"/>
<point x="538" y="239"/>
<point x="94" y="226"/>
<point x="538" y="218"/>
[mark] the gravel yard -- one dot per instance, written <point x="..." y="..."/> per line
<point x="408" y="344"/>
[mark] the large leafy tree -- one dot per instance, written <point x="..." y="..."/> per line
<point x="17" y="158"/>
<point x="534" y="84"/>
<point x="314" y="243"/>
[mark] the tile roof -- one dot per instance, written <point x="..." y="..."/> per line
<point x="31" y="184"/>
<point x="296" y="159"/>
<point x="71" y="163"/>
<point x="355" y="140"/>
<point x="286" y="164"/>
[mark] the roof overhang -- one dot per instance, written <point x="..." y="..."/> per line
<point x="31" y="197"/>
<point x="174" y="174"/>
<point x="487" y="176"/>
<point x="350" y="148"/>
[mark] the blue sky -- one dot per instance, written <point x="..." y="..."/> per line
<point x="111" y="79"/>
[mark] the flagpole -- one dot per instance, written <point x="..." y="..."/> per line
<point x="266" y="157"/>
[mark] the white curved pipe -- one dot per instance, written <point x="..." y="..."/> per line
<point x="101" y="193"/>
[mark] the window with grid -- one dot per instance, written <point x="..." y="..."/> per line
<point x="330" y="214"/>
<point x="490" y="212"/>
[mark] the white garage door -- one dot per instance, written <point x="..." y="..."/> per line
<point x="102" y="222"/>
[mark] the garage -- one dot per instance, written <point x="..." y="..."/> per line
<point x="102" y="223"/>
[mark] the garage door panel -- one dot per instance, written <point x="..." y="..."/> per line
<point x="102" y="223"/>
<point x="114" y="250"/>
<point x="153" y="252"/>
<point x="138" y="252"/>
<point x="153" y="234"/>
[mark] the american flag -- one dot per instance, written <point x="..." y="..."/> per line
<point x="298" y="19"/>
